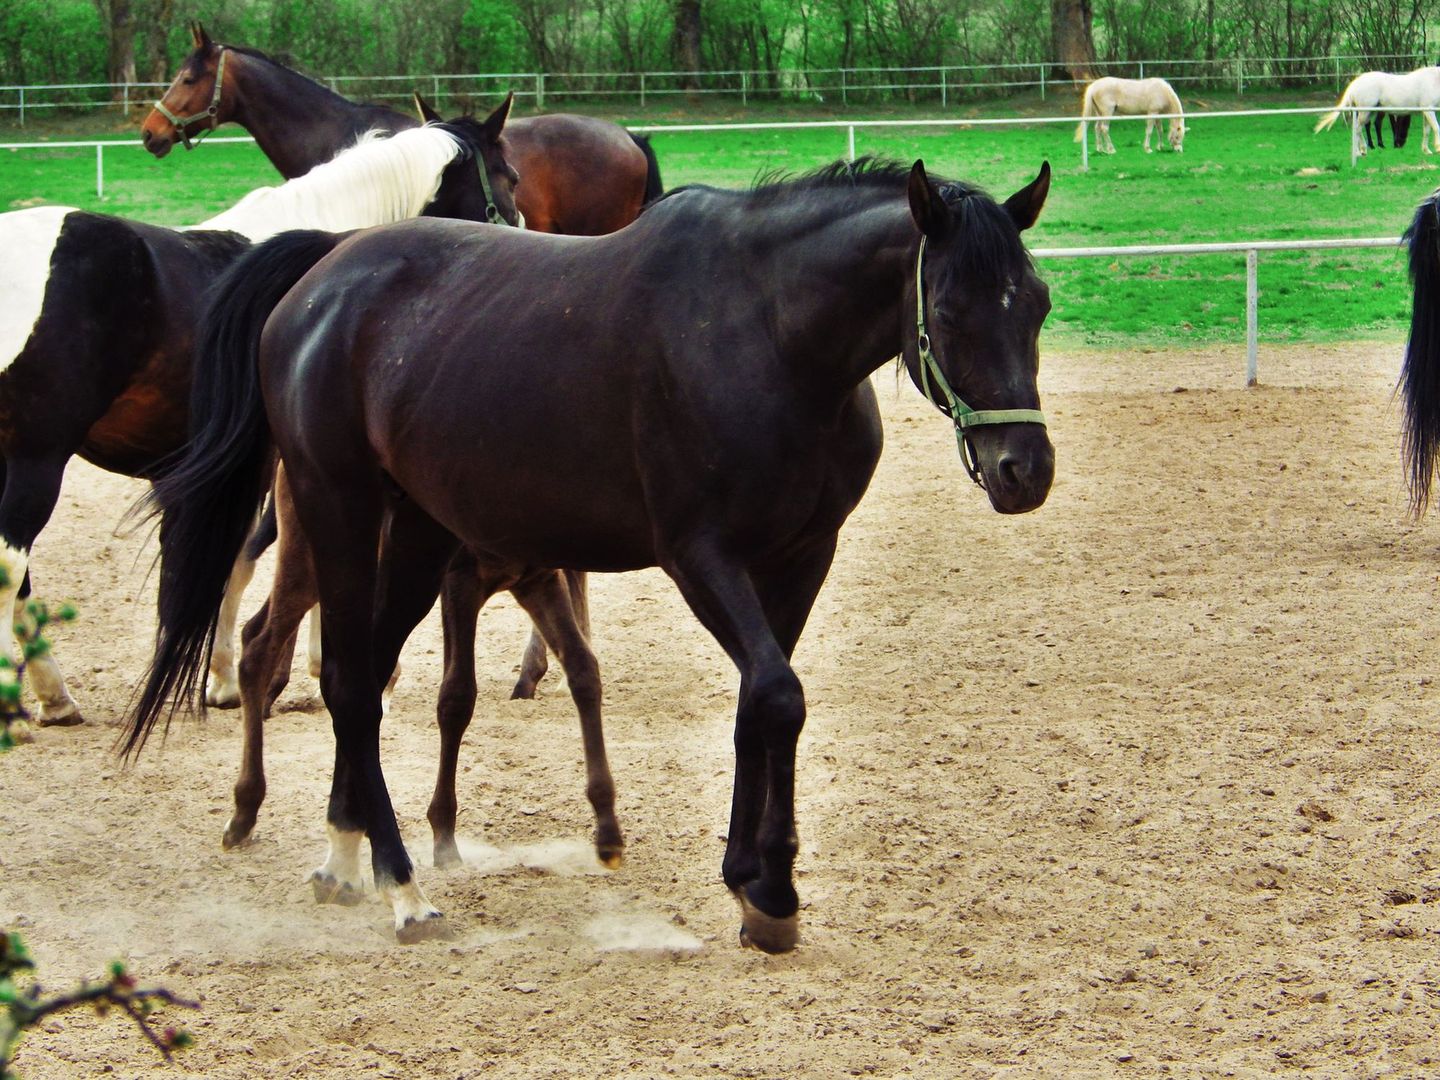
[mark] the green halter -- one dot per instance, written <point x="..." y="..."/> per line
<point x="209" y="114"/>
<point x="963" y="416"/>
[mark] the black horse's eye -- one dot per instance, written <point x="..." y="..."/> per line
<point x="189" y="80"/>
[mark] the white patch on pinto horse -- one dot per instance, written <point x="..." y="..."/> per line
<point x="28" y="238"/>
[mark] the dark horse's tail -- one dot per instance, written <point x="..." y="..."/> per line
<point x="1420" y="373"/>
<point x="653" y="186"/>
<point x="208" y="498"/>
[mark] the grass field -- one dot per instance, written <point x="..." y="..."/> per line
<point x="1239" y="179"/>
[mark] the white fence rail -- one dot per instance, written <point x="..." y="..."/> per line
<point x="847" y="85"/>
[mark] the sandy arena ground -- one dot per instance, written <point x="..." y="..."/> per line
<point x="1142" y="784"/>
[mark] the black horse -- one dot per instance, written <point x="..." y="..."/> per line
<point x="691" y="392"/>
<point x="1399" y="129"/>
<point x="1420" y="371"/>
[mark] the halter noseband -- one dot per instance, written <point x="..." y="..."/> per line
<point x="963" y="416"/>
<point x="209" y="114"/>
<point x="492" y="210"/>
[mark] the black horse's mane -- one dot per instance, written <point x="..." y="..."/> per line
<point x="991" y="252"/>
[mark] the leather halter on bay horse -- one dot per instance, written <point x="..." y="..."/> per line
<point x="962" y="415"/>
<point x="210" y="113"/>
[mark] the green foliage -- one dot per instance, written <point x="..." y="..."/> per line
<point x="29" y="633"/>
<point x="25" y="1006"/>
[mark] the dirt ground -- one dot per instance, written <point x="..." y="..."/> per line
<point x="1144" y="783"/>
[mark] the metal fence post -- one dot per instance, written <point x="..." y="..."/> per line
<point x="943" y="101"/>
<point x="1240" y="76"/>
<point x="125" y="100"/>
<point x="852" y="143"/>
<point x="22" y="106"/>
<point x="1084" y="148"/>
<point x="744" y="89"/>
<point x="540" y="90"/>
<point x="1142" y="69"/>
<point x="844" y="89"/>
<point x="642" y="90"/>
<point x="435" y="82"/>
<point x="1337" y="74"/>
<point x="99" y="171"/>
<point x="1252" y="317"/>
<point x="1042" y="82"/>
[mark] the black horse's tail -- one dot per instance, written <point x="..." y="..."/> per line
<point x="209" y="496"/>
<point x="654" y="188"/>
<point x="1420" y="372"/>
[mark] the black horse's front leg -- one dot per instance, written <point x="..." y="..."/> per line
<point x="759" y="635"/>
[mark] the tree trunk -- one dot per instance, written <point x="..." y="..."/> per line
<point x="157" y="60"/>
<point x="1071" y="40"/>
<point x="686" y="42"/>
<point x="119" y="21"/>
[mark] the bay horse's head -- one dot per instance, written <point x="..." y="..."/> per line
<point x="195" y="103"/>
<point x="978" y="310"/>
<point x="493" y="197"/>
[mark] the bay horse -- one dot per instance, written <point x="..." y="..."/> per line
<point x="582" y="176"/>
<point x="1379" y="91"/>
<point x="691" y="392"/>
<point x="1154" y="98"/>
<point x="100" y="314"/>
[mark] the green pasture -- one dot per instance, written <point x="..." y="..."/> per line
<point x="1258" y="178"/>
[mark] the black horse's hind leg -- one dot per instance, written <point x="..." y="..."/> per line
<point x="32" y="486"/>
<point x="534" y="664"/>
<point x="339" y="505"/>
<point x="548" y="598"/>
<point x="414" y="554"/>
<point x="760" y="853"/>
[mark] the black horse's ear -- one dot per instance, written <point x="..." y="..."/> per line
<point x="932" y="216"/>
<point x="1025" y="205"/>
<point x="495" y="122"/>
<point x="423" y="110"/>
<point x="200" y="37"/>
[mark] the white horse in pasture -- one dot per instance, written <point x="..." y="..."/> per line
<point x="1131" y="97"/>
<point x="1379" y="91"/>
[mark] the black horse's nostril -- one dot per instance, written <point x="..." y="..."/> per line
<point x="1009" y="469"/>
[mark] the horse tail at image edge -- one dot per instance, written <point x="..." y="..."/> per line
<point x="1420" y="369"/>
<point x="208" y="498"/>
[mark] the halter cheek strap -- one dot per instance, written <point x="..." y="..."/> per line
<point x="963" y="416"/>
<point x="492" y="209"/>
<point x="209" y="114"/>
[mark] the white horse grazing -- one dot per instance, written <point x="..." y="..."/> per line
<point x="1131" y="97"/>
<point x="1376" y="91"/>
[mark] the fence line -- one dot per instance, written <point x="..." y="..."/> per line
<point x="776" y="125"/>
<point x="942" y="81"/>
<point x="1250" y="248"/>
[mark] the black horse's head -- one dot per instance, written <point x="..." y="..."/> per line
<point x="493" y="197"/>
<point x="978" y="314"/>
<point x="195" y="103"/>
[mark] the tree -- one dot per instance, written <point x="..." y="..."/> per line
<point x="118" y="18"/>
<point x="685" y="45"/>
<point x="1072" y="39"/>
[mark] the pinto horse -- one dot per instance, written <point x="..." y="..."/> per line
<point x="1378" y="91"/>
<point x="1131" y="97"/>
<point x="582" y="175"/>
<point x="691" y="392"/>
<point x="100" y="317"/>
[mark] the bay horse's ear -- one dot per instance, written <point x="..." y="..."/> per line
<point x="423" y="110"/>
<point x="200" y="37"/>
<point x="1025" y="205"/>
<point x="495" y="122"/>
<point x="932" y="216"/>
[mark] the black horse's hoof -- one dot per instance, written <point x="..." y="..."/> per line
<point x="432" y="927"/>
<point x="768" y="933"/>
<point x="331" y="890"/>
